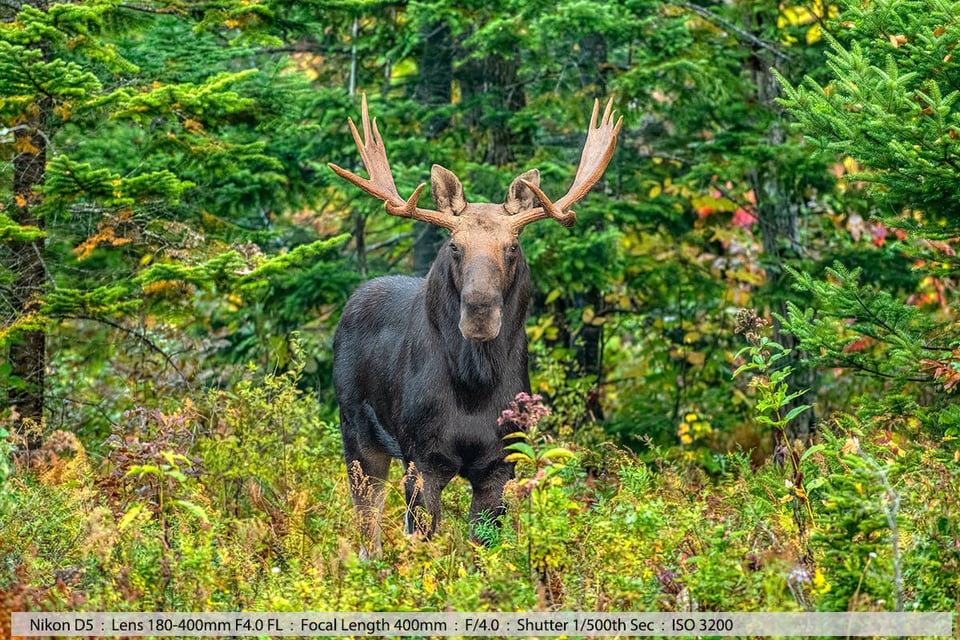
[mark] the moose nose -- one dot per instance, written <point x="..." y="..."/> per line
<point x="481" y="306"/>
<point x="480" y="322"/>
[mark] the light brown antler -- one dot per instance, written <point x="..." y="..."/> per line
<point x="597" y="151"/>
<point x="381" y="184"/>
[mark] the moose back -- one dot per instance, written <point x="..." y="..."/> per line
<point x="423" y="368"/>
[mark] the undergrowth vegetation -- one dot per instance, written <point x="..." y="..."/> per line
<point x="238" y="501"/>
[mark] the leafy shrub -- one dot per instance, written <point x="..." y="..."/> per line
<point x="238" y="500"/>
<point x="886" y="533"/>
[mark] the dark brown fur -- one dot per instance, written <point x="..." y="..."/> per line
<point x="412" y="386"/>
<point x="423" y="368"/>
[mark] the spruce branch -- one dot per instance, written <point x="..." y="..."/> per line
<point x="860" y="366"/>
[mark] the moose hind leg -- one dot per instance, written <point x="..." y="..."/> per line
<point x="367" y="488"/>
<point x="367" y="470"/>
<point x="423" y="489"/>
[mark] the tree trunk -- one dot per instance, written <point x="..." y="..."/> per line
<point x="434" y="89"/>
<point x="28" y="355"/>
<point x="508" y="99"/>
<point x="778" y="206"/>
<point x="593" y="59"/>
<point x="28" y="350"/>
<point x="589" y="346"/>
<point x="493" y="84"/>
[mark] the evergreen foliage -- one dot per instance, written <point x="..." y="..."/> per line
<point x="889" y="107"/>
<point x="890" y="104"/>
<point x="156" y="172"/>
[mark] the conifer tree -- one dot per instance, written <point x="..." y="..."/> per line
<point x="890" y="106"/>
<point x="136" y="165"/>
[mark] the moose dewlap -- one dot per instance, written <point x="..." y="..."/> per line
<point x="424" y="366"/>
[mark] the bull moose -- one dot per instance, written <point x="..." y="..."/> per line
<point x="423" y="367"/>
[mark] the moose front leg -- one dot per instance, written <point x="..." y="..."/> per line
<point x="487" y="505"/>
<point x="367" y="478"/>
<point x="423" y="489"/>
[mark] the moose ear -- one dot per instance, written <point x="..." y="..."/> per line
<point x="447" y="191"/>
<point x="519" y="195"/>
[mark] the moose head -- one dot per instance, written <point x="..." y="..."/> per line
<point x="423" y="367"/>
<point x="484" y="245"/>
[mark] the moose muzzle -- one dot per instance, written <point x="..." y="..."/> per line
<point x="481" y="301"/>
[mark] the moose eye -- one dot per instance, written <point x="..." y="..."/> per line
<point x="514" y="248"/>
<point x="454" y="249"/>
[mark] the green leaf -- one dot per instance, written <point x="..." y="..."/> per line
<point x="522" y="447"/>
<point x="812" y="450"/>
<point x="10" y="231"/>
<point x="143" y="469"/>
<point x="193" y="508"/>
<point x="795" y="412"/>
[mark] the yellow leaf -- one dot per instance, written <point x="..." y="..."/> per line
<point x="852" y="445"/>
<point x="23" y="144"/>
<point x="820" y="584"/>
<point x="161" y="286"/>
<point x="63" y="110"/>
<point x="696" y="358"/>
<point x="129" y="516"/>
<point x="793" y="16"/>
<point x="814" y="33"/>
<point x="655" y="191"/>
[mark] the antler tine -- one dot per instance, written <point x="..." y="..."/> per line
<point x="381" y="184"/>
<point x="597" y="151"/>
<point x="548" y="209"/>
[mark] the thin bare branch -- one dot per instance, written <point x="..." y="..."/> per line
<point x="136" y="334"/>
<point x="158" y="10"/>
<point x="726" y="25"/>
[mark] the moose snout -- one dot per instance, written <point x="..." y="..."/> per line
<point x="480" y="322"/>
<point x="481" y="304"/>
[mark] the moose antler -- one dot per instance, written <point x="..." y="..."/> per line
<point x="381" y="184"/>
<point x="597" y="151"/>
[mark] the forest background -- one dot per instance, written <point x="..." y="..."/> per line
<point x="748" y="342"/>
